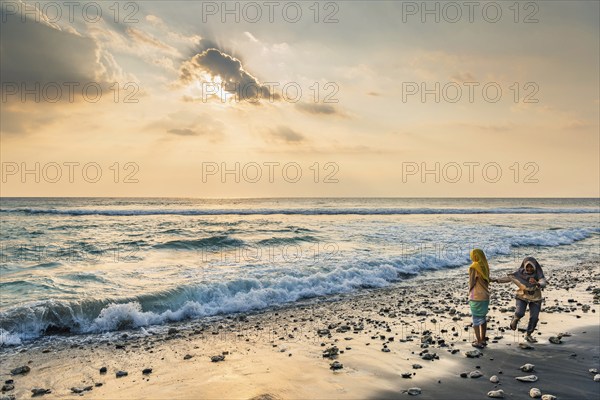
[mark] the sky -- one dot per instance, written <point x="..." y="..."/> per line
<point x="300" y="99"/>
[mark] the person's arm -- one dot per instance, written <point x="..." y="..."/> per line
<point x="503" y="279"/>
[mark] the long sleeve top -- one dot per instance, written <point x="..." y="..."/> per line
<point x="523" y="291"/>
<point x="478" y="287"/>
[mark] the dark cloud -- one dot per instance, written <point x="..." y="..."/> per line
<point x="235" y="80"/>
<point x="286" y="135"/>
<point x="183" y="132"/>
<point x="315" y="108"/>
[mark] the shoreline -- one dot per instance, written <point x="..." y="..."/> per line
<point x="380" y="333"/>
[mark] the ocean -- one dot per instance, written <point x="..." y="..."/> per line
<point x="76" y="266"/>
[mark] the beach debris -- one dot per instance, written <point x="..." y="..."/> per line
<point x="525" y="346"/>
<point x="331" y="352"/>
<point x="494" y="379"/>
<point x="7" y="387"/>
<point x="535" y="393"/>
<point x="555" y="340"/>
<point x="475" y="374"/>
<point x="528" y="378"/>
<point x="336" y="365"/>
<point x="187" y="356"/>
<point x="413" y="391"/>
<point x="473" y="353"/>
<point x="120" y="374"/>
<point x="81" y="389"/>
<point x="147" y="371"/>
<point x="103" y="370"/>
<point x="496" y="394"/>
<point x="417" y="366"/>
<point x="217" y="358"/>
<point x="20" y="370"/>
<point x="597" y="378"/>
<point x="527" y="367"/>
<point x="548" y="397"/>
<point x="407" y="375"/>
<point x="40" y="392"/>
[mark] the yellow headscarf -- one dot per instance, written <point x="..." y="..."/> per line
<point x="480" y="264"/>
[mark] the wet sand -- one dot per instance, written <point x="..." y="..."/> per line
<point x="379" y="335"/>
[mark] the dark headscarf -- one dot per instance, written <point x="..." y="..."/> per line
<point x="522" y="275"/>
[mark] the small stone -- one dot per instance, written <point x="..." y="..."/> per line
<point x="464" y="374"/>
<point x="7" y="397"/>
<point x="407" y="375"/>
<point x="121" y="374"/>
<point x="147" y="371"/>
<point x="336" y="365"/>
<point x="20" y="370"/>
<point x="496" y="394"/>
<point x="473" y="353"/>
<point x="103" y="370"/>
<point x="417" y="366"/>
<point x="527" y="367"/>
<point x="475" y="374"/>
<point x="414" y="391"/>
<point x="187" y="356"/>
<point x="40" y="392"/>
<point x="494" y="379"/>
<point x="172" y="331"/>
<point x="218" y="358"/>
<point x="81" y="389"/>
<point x="555" y="340"/>
<point x="525" y="346"/>
<point x="597" y="378"/>
<point x="11" y="381"/>
<point x="528" y="378"/>
<point x="535" y="393"/>
<point x="7" y="387"/>
<point x="591" y="371"/>
<point x="548" y="397"/>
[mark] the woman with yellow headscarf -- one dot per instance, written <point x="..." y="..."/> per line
<point x="479" y="295"/>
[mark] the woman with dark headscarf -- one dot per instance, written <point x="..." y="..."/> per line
<point x="530" y="281"/>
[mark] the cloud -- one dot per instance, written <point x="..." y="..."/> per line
<point x="183" y="132"/>
<point x="463" y="77"/>
<point x="285" y="134"/>
<point x="185" y="124"/>
<point x="315" y="108"/>
<point x="143" y="38"/>
<point x="233" y="78"/>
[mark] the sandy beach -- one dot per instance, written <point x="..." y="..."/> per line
<point x="377" y="343"/>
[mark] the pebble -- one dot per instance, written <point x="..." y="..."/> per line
<point x="40" y="392"/>
<point x="525" y="346"/>
<point x="414" y="391"/>
<point x="591" y="371"/>
<point x="336" y="365"/>
<point x="555" y="340"/>
<point x="147" y="371"/>
<point x="121" y="374"/>
<point x="597" y="378"/>
<point x="464" y="374"/>
<point x="103" y="370"/>
<point x="528" y="378"/>
<point x="81" y="389"/>
<point x="417" y="366"/>
<point x="20" y="370"/>
<point x="535" y="393"/>
<point x="187" y="356"/>
<point x="7" y="397"/>
<point x="496" y="394"/>
<point x="473" y="353"/>
<point x="548" y="397"/>
<point x="218" y="358"/>
<point x="7" y="387"/>
<point x="494" y="379"/>
<point x="407" y="375"/>
<point x="475" y="374"/>
<point x="527" y="367"/>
